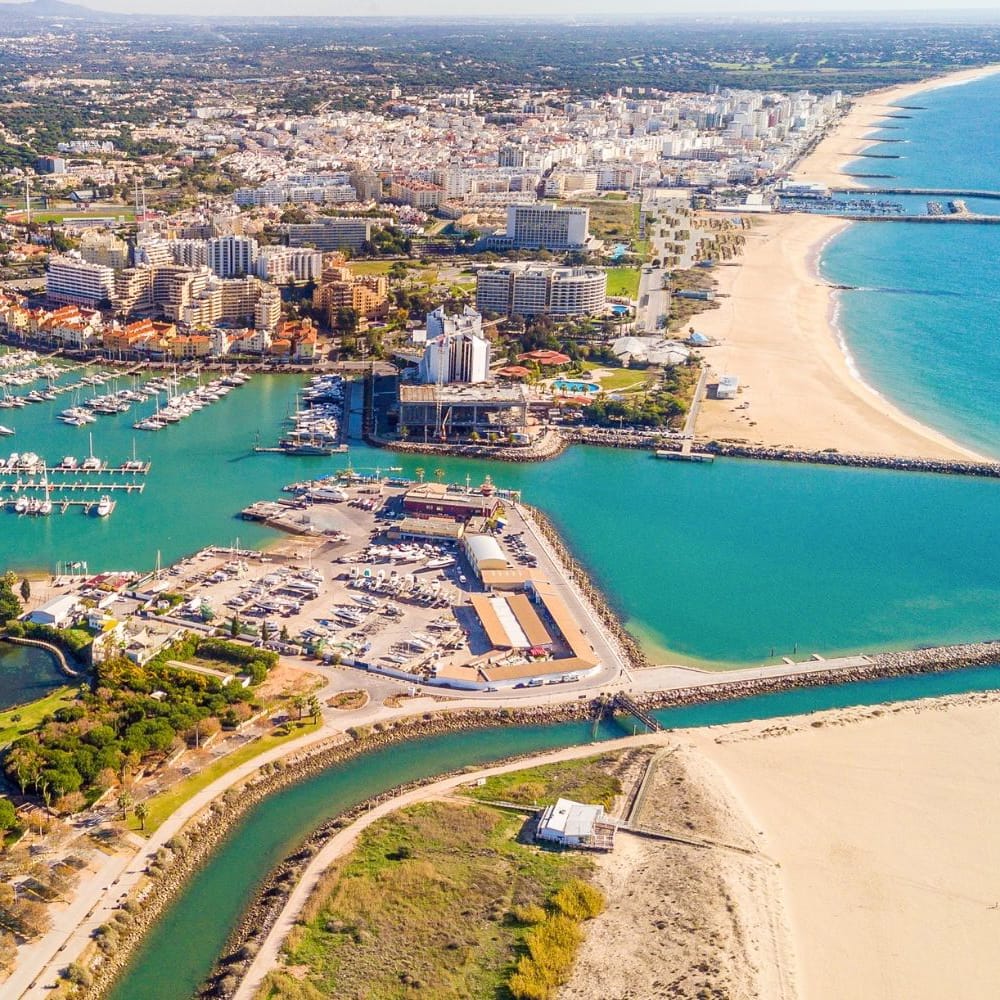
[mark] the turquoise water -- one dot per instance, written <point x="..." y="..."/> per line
<point x="26" y="674"/>
<point x="726" y="561"/>
<point x="203" y="472"/>
<point x="922" y="327"/>
<point x="721" y="562"/>
<point x="180" y="950"/>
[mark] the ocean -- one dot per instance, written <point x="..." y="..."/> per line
<point x="921" y="328"/>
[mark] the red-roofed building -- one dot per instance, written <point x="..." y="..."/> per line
<point x="513" y="371"/>
<point x="547" y="358"/>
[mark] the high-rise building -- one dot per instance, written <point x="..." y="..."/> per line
<point x="104" y="248"/>
<point x="537" y="226"/>
<point x="333" y="233"/>
<point x="232" y="256"/>
<point x="278" y="264"/>
<point x="538" y="289"/>
<point x="457" y="349"/>
<point x="70" y="279"/>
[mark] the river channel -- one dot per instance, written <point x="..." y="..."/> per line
<point x="182" y="947"/>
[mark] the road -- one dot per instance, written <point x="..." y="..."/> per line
<point x="343" y="841"/>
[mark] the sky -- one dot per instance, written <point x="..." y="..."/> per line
<point x="520" y="8"/>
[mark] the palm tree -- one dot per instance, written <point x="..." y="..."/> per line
<point x="439" y="475"/>
<point x="298" y="703"/>
<point x="141" y="812"/>
<point x="124" y="803"/>
<point x="314" y="708"/>
<point x="420" y="473"/>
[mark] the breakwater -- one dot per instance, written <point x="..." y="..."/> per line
<point x="653" y="440"/>
<point x="946" y="467"/>
<point x="879" y="667"/>
<point x="630" y="648"/>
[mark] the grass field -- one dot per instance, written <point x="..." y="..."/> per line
<point x="362" y="267"/>
<point x="434" y="901"/>
<point x="162" y="805"/>
<point x="624" y="380"/>
<point x="585" y="780"/>
<point x="623" y="281"/>
<point x="20" y="720"/>
<point x="614" y="220"/>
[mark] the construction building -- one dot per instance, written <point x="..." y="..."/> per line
<point x="484" y="409"/>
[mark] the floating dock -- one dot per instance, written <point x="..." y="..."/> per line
<point x="60" y="470"/>
<point x="73" y="487"/>
<point x="684" y="456"/>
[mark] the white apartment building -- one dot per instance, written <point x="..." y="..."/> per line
<point x="333" y="233"/>
<point x="457" y="349"/>
<point x="531" y="227"/>
<point x="72" y="280"/>
<point x="278" y="264"/>
<point x="537" y="289"/>
<point x="193" y="253"/>
<point x="232" y="256"/>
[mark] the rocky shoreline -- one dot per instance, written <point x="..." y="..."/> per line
<point x="879" y="666"/>
<point x="953" y="467"/>
<point x="551" y="445"/>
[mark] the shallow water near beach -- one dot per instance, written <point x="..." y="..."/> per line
<point x="921" y="328"/>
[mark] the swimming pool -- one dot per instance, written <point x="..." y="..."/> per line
<point x="619" y="310"/>
<point x="564" y="385"/>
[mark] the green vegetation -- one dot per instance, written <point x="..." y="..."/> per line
<point x="10" y="604"/>
<point x="613" y="220"/>
<point x="662" y="406"/>
<point x="133" y="718"/>
<point x="163" y="805"/>
<point x="439" y="898"/>
<point x="21" y="719"/>
<point x="623" y="281"/>
<point x="586" y="780"/>
<point x="626" y="380"/>
<point x="72" y="641"/>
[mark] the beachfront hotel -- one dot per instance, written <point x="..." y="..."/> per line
<point x="540" y="290"/>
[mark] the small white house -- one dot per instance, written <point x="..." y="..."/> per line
<point x="571" y="824"/>
<point x="57" y="612"/>
<point x="728" y="386"/>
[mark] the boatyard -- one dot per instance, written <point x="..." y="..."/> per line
<point x="426" y="583"/>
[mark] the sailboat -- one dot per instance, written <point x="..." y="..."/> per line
<point x="90" y="463"/>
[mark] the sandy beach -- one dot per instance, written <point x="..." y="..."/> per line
<point x="775" y="325"/>
<point x="825" y="165"/>
<point x="776" y="334"/>
<point x="883" y="824"/>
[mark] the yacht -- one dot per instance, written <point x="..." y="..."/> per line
<point x="6" y="431"/>
<point x="69" y="463"/>
<point x="21" y="505"/>
<point x="104" y="506"/>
